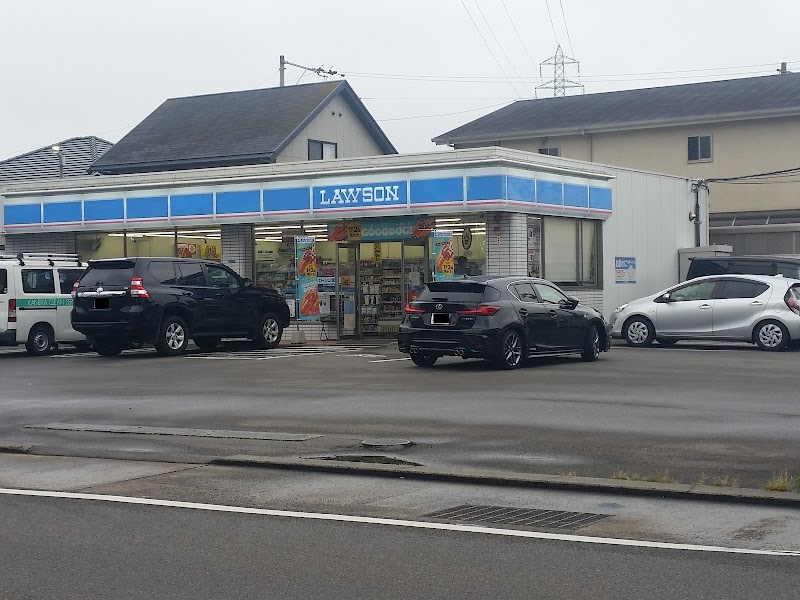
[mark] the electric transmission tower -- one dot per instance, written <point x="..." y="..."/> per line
<point x="559" y="83"/>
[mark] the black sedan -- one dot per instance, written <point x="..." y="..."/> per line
<point x="502" y="319"/>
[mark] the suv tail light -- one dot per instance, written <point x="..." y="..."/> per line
<point x="137" y="288"/>
<point x="792" y="299"/>
<point x="413" y="310"/>
<point x="12" y="310"/>
<point x="74" y="292"/>
<point x="480" y="311"/>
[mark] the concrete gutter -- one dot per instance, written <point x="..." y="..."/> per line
<point x="511" y="478"/>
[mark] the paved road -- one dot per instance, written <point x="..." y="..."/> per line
<point x="693" y="410"/>
<point x="79" y="548"/>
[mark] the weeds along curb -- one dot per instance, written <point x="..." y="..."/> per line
<point x="514" y="479"/>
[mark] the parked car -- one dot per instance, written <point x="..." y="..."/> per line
<point x="502" y="319"/>
<point x="787" y="265"/>
<point x="167" y="301"/>
<point x="35" y="301"/>
<point x="761" y="309"/>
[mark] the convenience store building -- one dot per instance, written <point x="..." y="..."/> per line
<point x="604" y="234"/>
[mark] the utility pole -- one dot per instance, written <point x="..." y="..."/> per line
<point x="321" y="71"/>
<point x="559" y="83"/>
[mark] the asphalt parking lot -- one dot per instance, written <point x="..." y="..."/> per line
<point x="692" y="411"/>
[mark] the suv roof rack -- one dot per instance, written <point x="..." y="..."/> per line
<point x="52" y="258"/>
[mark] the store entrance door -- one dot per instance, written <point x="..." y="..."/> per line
<point x="375" y="282"/>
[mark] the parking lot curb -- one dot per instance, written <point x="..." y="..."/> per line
<point x="511" y="478"/>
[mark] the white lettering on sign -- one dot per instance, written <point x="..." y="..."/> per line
<point x="360" y="195"/>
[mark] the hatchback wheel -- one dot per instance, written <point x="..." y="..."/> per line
<point x="511" y="349"/>
<point x="269" y="331"/>
<point x="639" y="332"/>
<point x="40" y="340"/>
<point x="423" y="360"/>
<point x="772" y="335"/>
<point x="173" y="336"/>
<point x="591" y="345"/>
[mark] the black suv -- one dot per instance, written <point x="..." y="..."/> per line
<point x="125" y="302"/>
<point x="502" y="319"/>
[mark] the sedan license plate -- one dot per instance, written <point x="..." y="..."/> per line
<point x="101" y="304"/>
<point x="440" y="319"/>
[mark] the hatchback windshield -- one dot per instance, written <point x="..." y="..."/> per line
<point x="108" y="274"/>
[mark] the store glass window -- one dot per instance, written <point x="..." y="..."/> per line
<point x="469" y="243"/>
<point x="203" y="243"/>
<point x="571" y="251"/>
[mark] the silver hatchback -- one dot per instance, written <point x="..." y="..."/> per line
<point x="761" y="309"/>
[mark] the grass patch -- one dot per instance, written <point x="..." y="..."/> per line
<point x="726" y="481"/>
<point x="781" y="482"/>
<point x="570" y="473"/>
<point x="701" y="480"/>
<point x="663" y="477"/>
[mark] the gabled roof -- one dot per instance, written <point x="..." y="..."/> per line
<point x="43" y="163"/>
<point x="713" y="101"/>
<point x="228" y="129"/>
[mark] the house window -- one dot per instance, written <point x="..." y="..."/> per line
<point x="318" y="150"/>
<point x="699" y="148"/>
<point x="550" y="151"/>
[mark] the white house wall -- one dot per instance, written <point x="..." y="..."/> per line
<point x="336" y="123"/>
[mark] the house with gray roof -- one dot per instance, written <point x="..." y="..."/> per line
<point x="283" y="124"/>
<point x="717" y="130"/>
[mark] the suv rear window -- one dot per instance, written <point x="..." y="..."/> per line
<point x="3" y="281"/>
<point x="445" y="291"/>
<point x="116" y="274"/>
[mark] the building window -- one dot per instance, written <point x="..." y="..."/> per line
<point x="318" y="150"/>
<point x="550" y="151"/>
<point x="571" y="251"/>
<point x="699" y="148"/>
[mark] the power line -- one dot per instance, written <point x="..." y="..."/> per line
<point x="549" y="14"/>
<point x="460" y="112"/>
<point x="563" y="16"/>
<point x="513" y="24"/>
<point x="488" y="47"/>
<point x="794" y="171"/>
<point x="480" y="10"/>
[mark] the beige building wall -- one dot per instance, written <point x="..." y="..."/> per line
<point x="738" y="148"/>
<point x="338" y="124"/>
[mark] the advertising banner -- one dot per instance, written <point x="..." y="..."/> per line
<point x="443" y="255"/>
<point x="307" y="292"/>
<point x="371" y="230"/>
<point x="624" y="269"/>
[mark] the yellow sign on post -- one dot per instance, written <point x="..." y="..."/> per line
<point x="377" y="252"/>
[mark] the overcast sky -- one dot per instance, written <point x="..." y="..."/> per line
<point x="90" y="67"/>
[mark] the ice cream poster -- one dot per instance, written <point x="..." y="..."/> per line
<point x="307" y="291"/>
<point x="443" y="255"/>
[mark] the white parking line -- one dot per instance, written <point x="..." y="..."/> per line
<point x="390" y="359"/>
<point x="398" y="523"/>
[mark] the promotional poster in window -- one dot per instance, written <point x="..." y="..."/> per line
<point x="307" y="290"/>
<point x="443" y="255"/>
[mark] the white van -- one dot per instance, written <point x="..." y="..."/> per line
<point x="36" y="301"/>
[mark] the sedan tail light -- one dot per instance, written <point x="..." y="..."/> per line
<point x="137" y="288"/>
<point x="74" y="292"/>
<point x="480" y="311"/>
<point x="12" y="310"/>
<point x="792" y="300"/>
<point x="413" y="310"/>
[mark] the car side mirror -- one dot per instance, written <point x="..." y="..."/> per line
<point x="665" y="298"/>
<point x="571" y="302"/>
<point x="248" y="282"/>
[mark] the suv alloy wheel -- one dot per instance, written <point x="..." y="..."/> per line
<point x="269" y="331"/>
<point x="173" y="336"/>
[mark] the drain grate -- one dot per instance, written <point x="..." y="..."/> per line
<point x="518" y="517"/>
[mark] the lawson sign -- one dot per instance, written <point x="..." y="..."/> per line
<point x="364" y="196"/>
